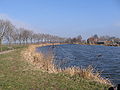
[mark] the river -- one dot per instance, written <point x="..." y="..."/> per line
<point x="102" y="58"/>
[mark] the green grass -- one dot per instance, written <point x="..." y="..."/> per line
<point x="17" y="74"/>
<point x="10" y="47"/>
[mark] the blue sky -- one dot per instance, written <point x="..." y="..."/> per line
<point x="66" y="18"/>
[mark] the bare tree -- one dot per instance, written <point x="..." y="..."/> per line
<point x="79" y="38"/>
<point x="25" y="35"/>
<point x="38" y="37"/>
<point x="22" y="35"/>
<point x="31" y="33"/>
<point x="15" y="35"/>
<point x="5" y="27"/>
<point x="8" y="36"/>
<point x="19" y="34"/>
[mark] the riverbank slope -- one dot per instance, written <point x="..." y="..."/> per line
<point x="17" y="74"/>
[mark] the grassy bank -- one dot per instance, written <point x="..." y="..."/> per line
<point x="10" y="47"/>
<point x="45" y="63"/>
<point x="17" y="74"/>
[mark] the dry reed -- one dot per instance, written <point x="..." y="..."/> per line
<point x="45" y="63"/>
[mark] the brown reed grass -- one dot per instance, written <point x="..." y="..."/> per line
<point x="45" y="63"/>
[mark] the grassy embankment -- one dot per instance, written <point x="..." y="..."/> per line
<point x="17" y="74"/>
<point x="10" y="47"/>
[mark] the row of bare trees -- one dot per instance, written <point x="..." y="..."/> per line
<point x="77" y="39"/>
<point x="10" y="34"/>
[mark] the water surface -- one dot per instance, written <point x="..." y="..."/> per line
<point x="103" y="58"/>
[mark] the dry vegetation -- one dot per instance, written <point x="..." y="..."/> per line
<point x="38" y="59"/>
<point x="45" y="63"/>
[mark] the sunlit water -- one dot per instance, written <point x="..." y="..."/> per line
<point x="103" y="58"/>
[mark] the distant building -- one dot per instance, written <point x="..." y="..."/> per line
<point x="106" y="40"/>
<point x="92" y="40"/>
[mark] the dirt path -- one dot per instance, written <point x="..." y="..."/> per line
<point x="3" y="52"/>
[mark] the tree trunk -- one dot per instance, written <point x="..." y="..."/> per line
<point x="0" y="41"/>
<point x="0" y="44"/>
<point x="31" y="41"/>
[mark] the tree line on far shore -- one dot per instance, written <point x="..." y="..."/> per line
<point x="10" y="34"/>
